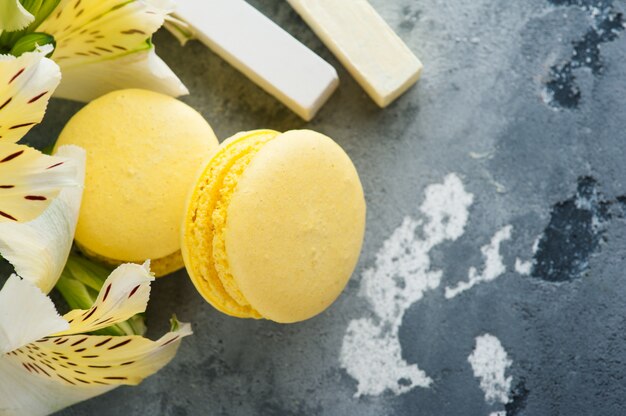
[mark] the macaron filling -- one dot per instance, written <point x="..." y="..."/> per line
<point x="206" y="221"/>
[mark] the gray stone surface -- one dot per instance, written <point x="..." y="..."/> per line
<point x="523" y="101"/>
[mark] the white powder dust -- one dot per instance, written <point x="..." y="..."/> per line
<point x="371" y="351"/>
<point x="494" y="266"/>
<point x="490" y="362"/>
<point x="523" y="267"/>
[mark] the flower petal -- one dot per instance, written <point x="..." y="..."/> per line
<point x="13" y="16"/>
<point x="29" y="181"/>
<point x="101" y="359"/>
<point x="24" y="392"/>
<point x="26" y="314"/>
<point x="179" y="29"/>
<point x="142" y="69"/>
<point x="124" y="294"/>
<point x="38" y="249"/>
<point x="88" y="31"/>
<point x="26" y="84"/>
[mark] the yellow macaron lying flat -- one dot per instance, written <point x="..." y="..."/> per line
<point x="274" y="226"/>
<point x="143" y="153"/>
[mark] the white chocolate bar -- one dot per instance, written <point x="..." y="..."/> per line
<point x="369" y="49"/>
<point x="264" y="52"/>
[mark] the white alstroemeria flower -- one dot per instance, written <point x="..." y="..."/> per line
<point x="104" y="45"/>
<point x="39" y="194"/>
<point x="29" y="180"/>
<point x="48" y="363"/>
<point x="13" y="16"/>
<point x="38" y="249"/>
<point x="45" y="362"/>
<point x="26" y="85"/>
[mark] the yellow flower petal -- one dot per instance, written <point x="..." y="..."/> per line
<point x="103" y="45"/>
<point x="13" y="16"/>
<point x="26" y="85"/>
<point x="87" y="360"/>
<point x="124" y="294"/>
<point x="53" y="373"/>
<point x="43" y="376"/>
<point x="92" y="30"/>
<point x="27" y="393"/>
<point x="29" y="181"/>
<point x="143" y="69"/>
<point x="38" y="249"/>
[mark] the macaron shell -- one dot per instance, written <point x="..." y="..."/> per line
<point x="295" y="226"/>
<point x="143" y="153"/>
<point x="202" y="231"/>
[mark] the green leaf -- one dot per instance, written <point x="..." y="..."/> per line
<point x="30" y="42"/>
<point x="174" y="323"/>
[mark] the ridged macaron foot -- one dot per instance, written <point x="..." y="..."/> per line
<point x="274" y="225"/>
<point x="144" y="150"/>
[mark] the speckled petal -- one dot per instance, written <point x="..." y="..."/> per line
<point x="26" y="85"/>
<point x="38" y="249"/>
<point x="26" y="314"/>
<point x="92" y="30"/>
<point x="101" y="359"/>
<point x="53" y="373"/>
<point x="29" y="181"/>
<point x="24" y="392"/>
<point x="13" y="16"/>
<point x="143" y="69"/>
<point x="124" y="294"/>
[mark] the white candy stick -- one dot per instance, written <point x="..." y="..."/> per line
<point x="370" y="50"/>
<point x="264" y="52"/>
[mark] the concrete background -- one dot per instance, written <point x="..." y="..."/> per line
<point x="524" y="102"/>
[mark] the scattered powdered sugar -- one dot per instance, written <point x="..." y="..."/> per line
<point x="523" y="267"/>
<point x="494" y="267"/>
<point x="490" y="362"/>
<point x="371" y="352"/>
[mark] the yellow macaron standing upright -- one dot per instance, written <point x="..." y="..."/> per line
<point x="144" y="150"/>
<point x="274" y="225"/>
